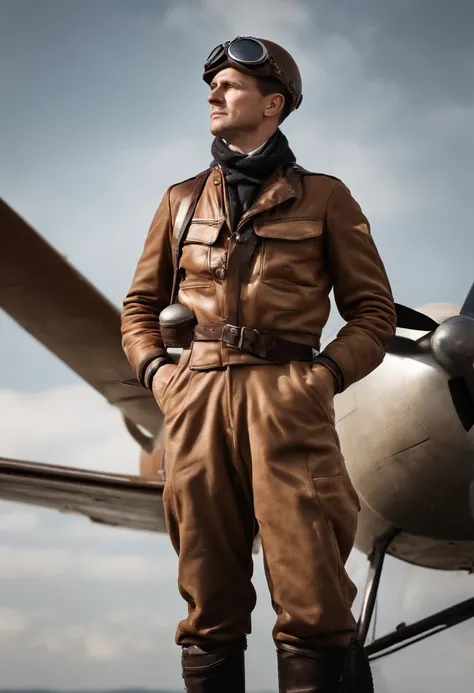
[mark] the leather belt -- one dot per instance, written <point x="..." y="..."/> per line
<point x="258" y="343"/>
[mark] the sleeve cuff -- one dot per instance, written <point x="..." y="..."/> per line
<point x="152" y="369"/>
<point x="335" y="369"/>
<point x="147" y="361"/>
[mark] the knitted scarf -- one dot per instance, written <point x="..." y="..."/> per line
<point x="245" y="174"/>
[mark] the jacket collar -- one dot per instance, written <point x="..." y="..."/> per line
<point x="280" y="187"/>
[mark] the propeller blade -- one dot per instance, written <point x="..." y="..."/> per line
<point x="462" y="395"/>
<point x="52" y="301"/>
<point x="468" y="375"/>
<point x="403" y="346"/>
<point x="411" y="319"/>
<point x="468" y="305"/>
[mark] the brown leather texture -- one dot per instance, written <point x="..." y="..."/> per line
<point x="255" y="448"/>
<point x="255" y="341"/>
<point x="301" y="670"/>
<point x="311" y="237"/>
<point x="250" y="448"/>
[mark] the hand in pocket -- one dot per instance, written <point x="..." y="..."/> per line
<point x="161" y="379"/>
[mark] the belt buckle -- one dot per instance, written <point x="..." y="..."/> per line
<point x="243" y="330"/>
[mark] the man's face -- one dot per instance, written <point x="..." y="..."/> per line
<point x="236" y="103"/>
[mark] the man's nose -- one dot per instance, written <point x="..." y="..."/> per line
<point x="215" y="96"/>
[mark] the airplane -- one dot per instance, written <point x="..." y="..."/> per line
<point x="406" y="430"/>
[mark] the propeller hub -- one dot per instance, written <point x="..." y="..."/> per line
<point x="452" y="344"/>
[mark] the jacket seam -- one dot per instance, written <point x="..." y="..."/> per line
<point x="336" y="185"/>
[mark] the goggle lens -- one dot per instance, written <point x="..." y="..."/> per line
<point x="214" y="55"/>
<point x="246" y="51"/>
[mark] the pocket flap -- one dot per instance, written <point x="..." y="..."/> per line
<point x="205" y="231"/>
<point x="289" y="229"/>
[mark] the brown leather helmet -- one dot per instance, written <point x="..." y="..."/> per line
<point x="260" y="58"/>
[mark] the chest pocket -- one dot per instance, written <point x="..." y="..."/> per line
<point x="292" y="250"/>
<point x="195" y="261"/>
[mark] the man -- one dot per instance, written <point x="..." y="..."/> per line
<point x="250" y="437"/>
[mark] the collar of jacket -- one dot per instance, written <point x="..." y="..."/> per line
<point x="282" y="185"/>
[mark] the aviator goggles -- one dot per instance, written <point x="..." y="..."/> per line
<point x="252" y="55"/>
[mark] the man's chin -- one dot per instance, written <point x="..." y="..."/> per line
<point x="218" y="128"/>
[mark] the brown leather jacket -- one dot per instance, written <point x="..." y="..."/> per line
<point x="312" y="237"/>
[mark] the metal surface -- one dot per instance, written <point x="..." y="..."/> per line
<point x="412" y="548"/>
<point x="112" y="499"/>
<point x="450" y="344"/>
<point x="420" y="630"/>
<point x="376" y="559"/>
<point x="410" y="459"/>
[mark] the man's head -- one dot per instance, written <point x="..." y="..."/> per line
<point x="255" y="84"/>
<point x="243" y="103"/>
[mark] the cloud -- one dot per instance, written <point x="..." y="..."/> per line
<point x="337" y="128"/>
<point x="119" y="634"/>
<point x="18" y="521"/>
<point x="71" y="426"/>
<point x="454" y="121"/>
<point x="49" y="564"/>
<point x="13" y="623"/>
<point x="123" y="568"/>
<point x="116" y="635"/>
<point x="200" y="18"/>
<point x="357" y="121"/>
<point x="137" y="618"/>
<point x="18" y="563"/>
<point x="86" y="643"/>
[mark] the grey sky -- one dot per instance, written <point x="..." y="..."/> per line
<point x="102" y="107"/>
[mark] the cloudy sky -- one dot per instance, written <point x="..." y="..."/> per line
<point x="102" y="107"/>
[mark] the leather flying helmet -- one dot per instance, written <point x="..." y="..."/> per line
<point x="260" y="58"/>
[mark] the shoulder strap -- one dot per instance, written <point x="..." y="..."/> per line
<point x="300" y="169"/>
<point x="304" y="172"/>
<point x="181" y="223"/>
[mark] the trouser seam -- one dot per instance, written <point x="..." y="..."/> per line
<point x="227" y="384"/>
<point x="330" y="529"/>
<point x="228" y="402"/>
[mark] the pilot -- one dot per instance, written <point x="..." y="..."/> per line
<point x="251" y="445"/>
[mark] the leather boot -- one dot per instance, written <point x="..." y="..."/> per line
<point x="356" y="675"/>
<point x="324" y="670"/>
<point x="310" y="671"/>
<point x="220" y="670"/>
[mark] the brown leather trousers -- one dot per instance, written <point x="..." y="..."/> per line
<point x="253" y="448"/>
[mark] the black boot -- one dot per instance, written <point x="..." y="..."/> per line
<point x="220" y="670"/>
<point x="310" y="671"/>
<point x="356" y="676"/>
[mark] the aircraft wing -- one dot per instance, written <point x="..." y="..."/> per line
<point x="112" y="499"/>
<point x="52" y="301"/>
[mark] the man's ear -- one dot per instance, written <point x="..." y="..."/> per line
<point x="275" y="105"/>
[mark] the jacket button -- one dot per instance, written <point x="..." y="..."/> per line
<point x="220" y="273"/>
<point x="217" y="181"/>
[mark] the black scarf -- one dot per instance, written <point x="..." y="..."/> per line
<point x="245" y="174"/>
